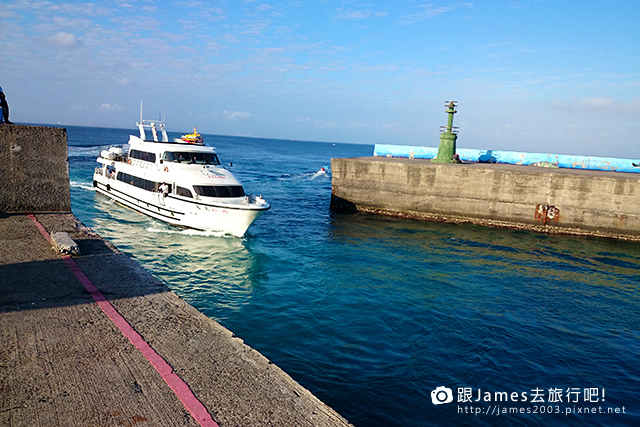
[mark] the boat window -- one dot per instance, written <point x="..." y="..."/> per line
<point x="169" y="156"/>
<point x="219" y="190"/>
<point x="185" y="192"/>
<point x="145" y="184"/>
<point x="190" y="157"/>
<point x="143" y="155"/>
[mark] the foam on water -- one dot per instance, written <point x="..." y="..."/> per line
<point x="82" y="185"/>
<point x="187" y="232"/>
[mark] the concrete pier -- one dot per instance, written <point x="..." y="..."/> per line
<point x="563" y="201"/>
<point x="95" y="340"/>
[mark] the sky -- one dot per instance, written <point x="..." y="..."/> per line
<point x="557" y="76"/>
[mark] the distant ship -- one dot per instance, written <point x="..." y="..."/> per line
<point x="191" y="138"/>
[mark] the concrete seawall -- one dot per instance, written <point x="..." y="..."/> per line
<point x="564" y="201"/>
<point x="34" y="169"/>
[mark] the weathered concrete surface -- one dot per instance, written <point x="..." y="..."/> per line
<point x="34" y="169"/>
<point x="589" y="202"/>
<point x="63" y="362"/>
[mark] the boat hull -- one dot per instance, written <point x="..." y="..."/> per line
<point x="224" y="218"/>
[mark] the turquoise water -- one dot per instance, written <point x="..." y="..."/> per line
<point x="372" y="314"/>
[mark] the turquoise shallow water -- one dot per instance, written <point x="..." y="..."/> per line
<point x="372" y="314"/>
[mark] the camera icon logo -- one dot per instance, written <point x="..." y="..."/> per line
<point x="441" y="395"/>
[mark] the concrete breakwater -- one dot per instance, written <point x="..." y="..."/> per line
<point x="94" y="339"/>
<point x="563" y="201"/>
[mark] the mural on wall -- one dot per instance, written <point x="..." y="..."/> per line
<point x="513" y="157"/>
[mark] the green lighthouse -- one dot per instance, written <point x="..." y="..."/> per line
<point x="448" y="136"/>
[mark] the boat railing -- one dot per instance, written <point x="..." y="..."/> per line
<point x="154" y="131"/>
<point x="122" y="159"/>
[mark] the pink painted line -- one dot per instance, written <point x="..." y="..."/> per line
<point x="197" y="410"/>
<point x="40" y="227"/>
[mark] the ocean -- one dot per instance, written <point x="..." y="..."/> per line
<point x="394" y="322"/>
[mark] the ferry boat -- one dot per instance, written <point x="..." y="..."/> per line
<point x="181" y="182"/>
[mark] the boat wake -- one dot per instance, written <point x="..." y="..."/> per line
<point x="308" y="176"/>
<point x="82" y="185"/>
<point x="189" y="232"/>
<point x="91" y="151"/>
<point x="322" y="173"/>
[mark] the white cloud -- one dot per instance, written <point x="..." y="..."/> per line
<point x="318" y="123"/>
<point x="634" y="105"/>
<point x="236" y="115"/>
<point x="428" y="11"/>
<point x="123" y="81"/>
<point x="600" y="102"/>
<point x="396" y="127"/>
<point x="353" y="14"/>
<point x="349" y="14"/>
<point x="62" y="39"/>
<point x="110" y="107"/>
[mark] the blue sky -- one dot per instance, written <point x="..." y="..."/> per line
<point x="530" y="75"/>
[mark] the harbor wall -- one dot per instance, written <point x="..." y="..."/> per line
<point x="565" y="201"/>
<point x="34" y="169"/>
<point x="513" y="157"/>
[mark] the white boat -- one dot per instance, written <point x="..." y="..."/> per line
<point x="180" y="182"/>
